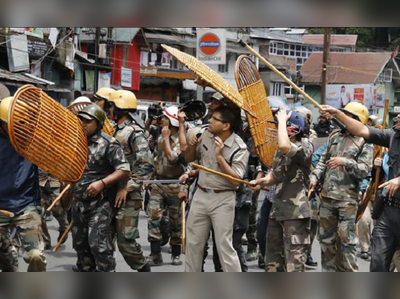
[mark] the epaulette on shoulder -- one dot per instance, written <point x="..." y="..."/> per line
<point x="240" y="142"/>
<point x="109" y="138"/>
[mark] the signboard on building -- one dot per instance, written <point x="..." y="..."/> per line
<point x="126" y="77"/>
<point x="36" y="48"/>
<point x="17" y="51"/>
<point x="369" y="95"/>
<point x="211" y="46"/>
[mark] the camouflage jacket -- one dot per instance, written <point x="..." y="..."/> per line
<point x="136" y="150"/>
<point x="343" y="182"/>
<point x="105" y="156"/>
<point x="291" y="173"/>
<point x="45" y="177"/>
<point x="169" y="169"/>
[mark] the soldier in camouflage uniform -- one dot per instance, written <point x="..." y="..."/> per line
<point x="288" y="233"/>
<point x="19" y="194"/>
<point x="346" y="161"/>
<point x="129" y="199"/>
<point x="169" y="165"/>
<point x="93" y="207"/>
<point x="50" y="190"/>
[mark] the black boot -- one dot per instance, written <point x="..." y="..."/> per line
<point x="146" y="268"/>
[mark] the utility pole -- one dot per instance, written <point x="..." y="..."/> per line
<point x="96" y="59"/>
<point x="325" y="58"/>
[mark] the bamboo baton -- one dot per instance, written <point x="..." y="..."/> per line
<point x="65" y="234"/>
<point x="288" y="81"/>
<point x="183" y="235"/>
<point x="59" y="197"/>
<point x="374" y="184"/>
<point x="7" y="213"/>
<point x="228" y="177"/>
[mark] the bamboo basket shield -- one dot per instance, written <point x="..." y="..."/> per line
<point x="263" y="129"/>
<point x="47" y="134"/>
<point x="214" y="79"/>
<point x="107" y="127"/>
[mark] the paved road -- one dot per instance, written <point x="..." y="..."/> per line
<point x="65" y="258"/>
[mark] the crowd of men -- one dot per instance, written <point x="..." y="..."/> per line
<point x="308" y="193"/>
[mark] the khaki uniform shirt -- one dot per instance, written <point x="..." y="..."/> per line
<point x="234" y="152"/>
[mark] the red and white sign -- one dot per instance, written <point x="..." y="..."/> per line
<point x="211" y="46"/>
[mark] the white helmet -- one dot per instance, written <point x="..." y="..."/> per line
<point x="81" y="100"/>
<point x="172" y="114"/>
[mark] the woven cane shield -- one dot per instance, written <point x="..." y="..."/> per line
<point x="262" y="128"/>
<point x="47" y="134"/>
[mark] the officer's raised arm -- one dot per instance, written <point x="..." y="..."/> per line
<point x="353" y="126"/>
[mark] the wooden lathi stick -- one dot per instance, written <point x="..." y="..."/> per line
<point x="183" y="235"/>
<point x="228" y="177"/>
<point x="65" y="234"/>
<point x="280" y="74"/>
<point x="7" y="213"/>
<point x="59" y="197"/>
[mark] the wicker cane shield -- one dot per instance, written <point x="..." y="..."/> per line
<point x="212" y="78"/>
<point x="47" y="134"/>
<point x="262" y="128"/>
<point x="107" y="127"/>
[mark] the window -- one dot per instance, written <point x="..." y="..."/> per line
<point x="289" y="90"/>
<point x="277" y="90"/>
<point x="386" y="76"/>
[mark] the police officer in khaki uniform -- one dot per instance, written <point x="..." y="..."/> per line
<point x="214" y="202"/>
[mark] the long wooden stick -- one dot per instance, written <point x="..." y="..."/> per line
<point x="374" y="184"/>
<point x="280" y="74"/>
<point x="59" y="197"/>
<point x="183" y="234"/>
<point x="65" y="234"/>
<point x="7" y="213"/>
<point x="228" y="177"/>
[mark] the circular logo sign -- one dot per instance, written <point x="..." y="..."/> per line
<point x="209" y="44"/>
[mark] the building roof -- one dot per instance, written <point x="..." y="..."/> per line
<point x="345" y="68"/>
<point x="336" y="40"/>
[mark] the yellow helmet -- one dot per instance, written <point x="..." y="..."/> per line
<point x="358" y="110"/>
<point x="104" y="93"/>
<point x="5" y="108"/>
<point x="124" y="99"/>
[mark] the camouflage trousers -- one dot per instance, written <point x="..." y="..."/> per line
<point x="48" y="196"/>
<point x="252" y="231"/>
<point x="364" y="229"/>
<point x="337" y="235"/>
<point x="128" y="231"/>
<point x="162" y="197"/>
<point x="92" y="234"/>
<point x="28" y="225"/>
<point x="287" y="245"/>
